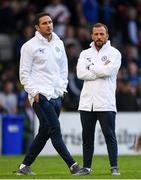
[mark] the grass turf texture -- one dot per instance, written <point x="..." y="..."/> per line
<point x="53" y="167"/>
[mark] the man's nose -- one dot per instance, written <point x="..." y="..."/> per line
<point x="48" y="24"/>
<point x="99" y="36"/>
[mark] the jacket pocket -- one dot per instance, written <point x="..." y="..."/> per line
<point x="42" y="98"/>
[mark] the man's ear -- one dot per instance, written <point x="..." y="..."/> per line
<point x="37" y="27"/>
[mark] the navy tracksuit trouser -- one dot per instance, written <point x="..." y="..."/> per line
<point x="107" y="123"/>
<point x="48" y="112"/>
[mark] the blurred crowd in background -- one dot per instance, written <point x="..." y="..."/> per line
<point x="73" y="21"/>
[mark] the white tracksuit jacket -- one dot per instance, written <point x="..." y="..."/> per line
<point x="98" y="69"/>
<point x="44" y="67"/>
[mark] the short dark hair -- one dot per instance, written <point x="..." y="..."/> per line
<point x="101" y="25"/>
<point x="38" y="16"/>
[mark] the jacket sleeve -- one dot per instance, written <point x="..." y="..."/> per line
<point x="26" y="62"/>
<point x="83" y="71"/>
<point x="64" y="70"/>
<point x="105" y="70"/>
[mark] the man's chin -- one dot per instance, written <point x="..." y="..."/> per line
<point x="49" y="33"/>
<point x="99" y="44"/>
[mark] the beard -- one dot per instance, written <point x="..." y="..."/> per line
<point x="99" y="43"/>
<point x="46" y="34"/>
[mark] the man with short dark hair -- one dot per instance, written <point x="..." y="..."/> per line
<point x="43" y="73"/>
<point x="98" y="67"/>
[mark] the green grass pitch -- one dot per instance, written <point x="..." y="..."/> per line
<point x="53" y="167"/>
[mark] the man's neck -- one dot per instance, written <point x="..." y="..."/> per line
<point x="98" y="48"/>
<point x="48" y="37"/>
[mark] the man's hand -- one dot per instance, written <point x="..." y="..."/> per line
<point x="37" y="98"/>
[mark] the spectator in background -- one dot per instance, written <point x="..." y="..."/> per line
<point x="29" y="17"/>
<point x="9" y="73"/>
<point x="106" y="13"/>
<point x="121" y="11"/>
<point x="126" y="99"/>
<point x="122" y="74"/>
<point x="101" y="10"/>
<point x="8" y="99"/>
<point x="7" y="19"/>
<point x="83" y="36"/>
<point x="70" y="38"/>
<point x="90" y="10"/>
<point x="6" y="48"/>
<point x="133" y="76"/>
<point x="131" y="32"/>
<point x="60" y="16"/>
<point x="75" y="7"/>
<point x="74" y="89"/>
<point x="27" y="33"/>
<point x="71" y="99"/>
<point x="73" y="47"/>
<point x="130" y="54"/>
<point x="80" y="13"/>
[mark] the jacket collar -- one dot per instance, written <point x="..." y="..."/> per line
<point x="107" y="44"/>
<point x="39" y="36"/>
